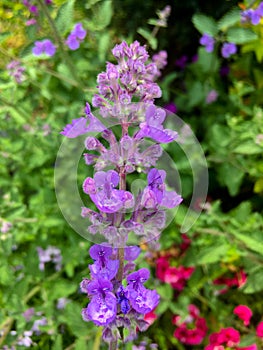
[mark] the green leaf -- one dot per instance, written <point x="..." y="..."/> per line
<point x="205" y="24"/>
<point x="165" y="291"/>
<point x="207" y="255"/>
<point x="240" y="35"/>
<point x="64" y="19"/>
<point x="152" y="41"/>
<point x="58" y="343"/>
<point x="230" y="176"/>
<point x="61" y="289"/>
<point x="229" y="19"/>
<point x="250" y="242"/>
<point x="248" y="147"/>
<point x="102" y="14"/>
<point x="254" y="282"/>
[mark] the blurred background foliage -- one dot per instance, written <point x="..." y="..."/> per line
<point x="227" y="238"/>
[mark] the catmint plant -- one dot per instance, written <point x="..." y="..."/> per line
<point x="118" y="296"/>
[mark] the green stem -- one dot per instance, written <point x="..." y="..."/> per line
<point x="63" y="53"/>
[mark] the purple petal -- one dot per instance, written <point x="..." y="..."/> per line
<point x="138" y="277"/>
<point x="98" y="287"/>
<point x="144" y="301"/>
<point x="155" y="116"/>
<point x="89" y="186"/>
<point x="76" y="128"/>
<point x="131" y="253"/>
<point x="97" y="251"/>
<point x="171" y="199"/>
<point x="101" y="311"/>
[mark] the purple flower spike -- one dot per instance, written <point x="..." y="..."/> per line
<point x="228" y="49"/>
<point x="208" y="41"/>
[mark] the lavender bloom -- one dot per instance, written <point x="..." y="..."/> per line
<point x="155" y="194"/>
<point x="102" y="192"/>
<point x="79" y="126"/>
<point x="103" y="267"/>
<point x="51" y="254"/>
<point x="252" y="15"/>
<point x="61" y="303"/>
<point x="153" y="127"/>
<point x="211" y="96"/>
<point x="142" y="299"/>
<point x="28" y="314"/>
<point x="41" y="322"/>
<point x="102" y="308"/>
<point x="208" y="41"/>
<point x="160" y="60"/>
<point x="122" y="299"/>
<point x="77" y="35"/>
<point x="6" y="226"/>
<point x="171" y="107"/>
<point x="25" y="340"/>
<point x="16" y="71"/>
<point x="228" y="49"/>
<point x="44" y="47"/>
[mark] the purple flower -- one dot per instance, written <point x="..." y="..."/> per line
<point x="61" y="303"/>
<point x="76" y="36"/>
<point x="102" y="192"/>
<point x="228" y="49"/>
<point x="79" y="126"/>
<point x="155" y="192"/>
<point x="51" y="254"/>
<point x="16" y="71"/>
<point x="131" y="253"/>
<point x="122" y="299"/>
<point x="6" y="226"/>
<point x="103" y="267"/>
<point x="141" y="299"/>
<point x="44" y="47"/>
<point x="102" y="308"/>
<point x="153" y="127"/>
<point x="181" y="62"/>
<point x="171" y="107"/>
<point x="208" y="41"/>
<point x="211" y="96"/>
<point x="28" y="314"/>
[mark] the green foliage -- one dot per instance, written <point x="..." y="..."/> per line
<point x="205" y="24"/>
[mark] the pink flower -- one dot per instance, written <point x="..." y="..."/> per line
<point x="229" y="335"/>
<point x="244" y="313"/>
<point x="194" y="334"/>
<point x="150" y="317"/>
<point x="259" y="330"/>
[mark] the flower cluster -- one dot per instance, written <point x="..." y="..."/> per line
<point x="51" y="254"/>
<point x="252" y="15"/>
<point x="227" y="49"/>
<point x="112" y="304"/>
<point x="176" y="276"/>
<point x="229" y="337"/>
<point x="76" y="36"/>
<point x="73" y="41"/>
<point x="16" y="71"/>
<point x="131" y="80"/>
<point x="192" y="330"/>
<point x="118" y="297"/>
